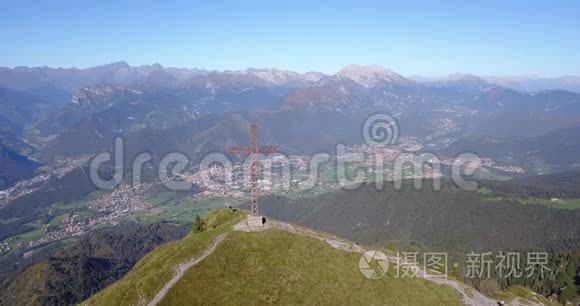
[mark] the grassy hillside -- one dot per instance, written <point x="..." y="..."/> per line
<point x="277" y="267"/>
<point x="266" y="267"/>
<point x="156" y="268"/>
<point x="448" y="220"/>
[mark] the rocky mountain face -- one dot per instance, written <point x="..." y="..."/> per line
<point x="370" y="76"/>
<point x="86" y="101"/>
<point x="54" y="117"/>
<point x="285" y="77"/>
<point x="71" y="79"/>
<point x="139" y="102"/>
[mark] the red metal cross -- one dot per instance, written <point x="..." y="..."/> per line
<point x="253" y="150"/>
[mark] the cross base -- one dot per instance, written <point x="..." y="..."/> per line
<point x="255" y="221"/>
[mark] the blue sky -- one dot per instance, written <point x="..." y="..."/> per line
<point x="426" y="38"/>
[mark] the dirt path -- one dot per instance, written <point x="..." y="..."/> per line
<point x="469" y="295"/>
<point x="184" y="267"/>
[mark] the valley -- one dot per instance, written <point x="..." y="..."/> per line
<point x="333" y="174"/>
<point x="290" y="153"/>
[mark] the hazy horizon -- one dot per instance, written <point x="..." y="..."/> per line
<point x="411" y="76"/>
<point x="412" y="38"/>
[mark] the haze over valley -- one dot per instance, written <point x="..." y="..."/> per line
<point x="271" y="153"/>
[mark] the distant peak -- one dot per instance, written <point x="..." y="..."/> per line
<point x="364" y="70"/>
<point x="273" y="69"/>
<point x="464" y="77"/>
<point x="370" y="75"/>
<point x="118" y="64"/>
<point x="280" y="76"/>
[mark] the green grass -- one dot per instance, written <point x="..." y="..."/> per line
<point x="485" y="191"/>
<point x="30" y="235"/>
<point x="85" y="212"/>
<point x="167" y="207"/>
<point x="560" y="203"/>
<point x="293" y="195"/>
<point x="58" y="219"/>
<point x="277" y="267"/>
<point x="264" y="268"/>
<point x="522" y="292"/>
<point x="163" y="197"/>
<point x="72" y="205"/>
<point x="156" y="268"/>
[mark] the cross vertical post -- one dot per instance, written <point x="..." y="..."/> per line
<point x="254" y="170"/>
<point x="253" y="151"/>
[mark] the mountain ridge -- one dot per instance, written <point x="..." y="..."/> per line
<point x="251" y="245"/>
<point x="22" y="77"/>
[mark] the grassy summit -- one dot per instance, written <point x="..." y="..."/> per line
<point x="272" y="266"/>
<point x="278" y="267"/>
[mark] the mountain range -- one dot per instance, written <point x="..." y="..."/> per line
<point x="69" y="113"/>
<point x="53" y="120"/>
<point x="524" y="83"/>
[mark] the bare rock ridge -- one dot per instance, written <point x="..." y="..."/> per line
<point x="370" y="76"/>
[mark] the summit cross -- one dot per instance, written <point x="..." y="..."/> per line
<point x="253" y="150"/>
